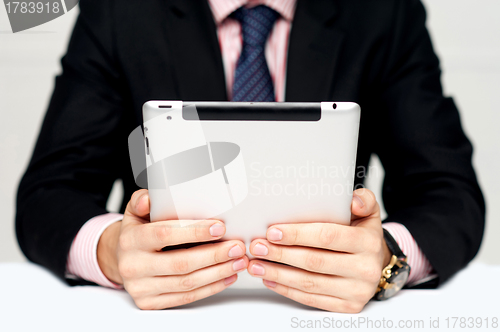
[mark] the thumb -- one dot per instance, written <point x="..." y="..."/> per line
<point x="363" y="204"/>
<point x="138" y="206"/>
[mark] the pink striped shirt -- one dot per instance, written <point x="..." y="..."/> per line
<point x="82" y="259"/>
<point x="420" y="267"/>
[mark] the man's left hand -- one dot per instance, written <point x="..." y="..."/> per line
<point x="328" y="266"/>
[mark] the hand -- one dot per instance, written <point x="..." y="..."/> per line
<point x="129" y="253"/>
<point x="329" y="266"/>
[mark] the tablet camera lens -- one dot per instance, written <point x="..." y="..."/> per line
<point x="169" y="117"/>
<point x="334" y="106"/>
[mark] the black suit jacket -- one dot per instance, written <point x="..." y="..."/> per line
<point x="375" y="53"/>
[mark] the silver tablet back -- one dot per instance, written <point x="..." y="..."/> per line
<point x="251" y="165"/>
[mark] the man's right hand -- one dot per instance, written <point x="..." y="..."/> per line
<point x="129" y="253"/>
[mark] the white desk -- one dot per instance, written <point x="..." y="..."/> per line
<point x="32" y="299"/>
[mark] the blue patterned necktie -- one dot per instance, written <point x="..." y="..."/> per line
<point x="252" y="80"/>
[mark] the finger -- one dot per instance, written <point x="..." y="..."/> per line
<point x="180" y="261"/>
<point x="318" y="235"/>
<point x="324" y="302"/>
<point x="364" y="203"/>
<point x="170" y="300"/>
<point x="184" y="283"/>
<point x="343" y="288"/>
<point x="157" y="235"/>
<point x="138" y="206"/>
<point x="310" y="259"/>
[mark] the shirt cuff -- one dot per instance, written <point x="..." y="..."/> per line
<point x="421" y="269"/>
<point x="82" y="258"/>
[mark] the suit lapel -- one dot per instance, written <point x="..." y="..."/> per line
<point x="196" y="54"/>
<point x="313" y="51"/>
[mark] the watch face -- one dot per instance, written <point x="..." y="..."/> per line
<point x="397" y="282"/>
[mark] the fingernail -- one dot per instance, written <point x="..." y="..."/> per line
<point x="274" y="234"/>
<point x="138" y="202"/>
<point x="260" y="250"/>
<point x="258" y="269"/>
<point x="235" y="251"/>
<point x="359" y="201"/>
<point x="230" y="280"/>
<point x="239" y="264"/>
<point x="216" y="230"/>
<point x="269" y="283"/>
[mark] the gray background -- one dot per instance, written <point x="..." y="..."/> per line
<point x="465" y="35"/>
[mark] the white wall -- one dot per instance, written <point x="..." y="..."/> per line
<point x="465" y="35"/>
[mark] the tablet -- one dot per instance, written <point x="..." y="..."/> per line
<point x="250" y="164"/>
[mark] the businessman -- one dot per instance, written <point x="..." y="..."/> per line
<point x="376" y="53"/>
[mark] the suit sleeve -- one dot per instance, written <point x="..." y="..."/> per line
<point x="430" y="185"/>
<point x="80" y="148"/>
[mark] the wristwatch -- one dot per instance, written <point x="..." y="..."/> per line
<point x="394" y="275"/>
